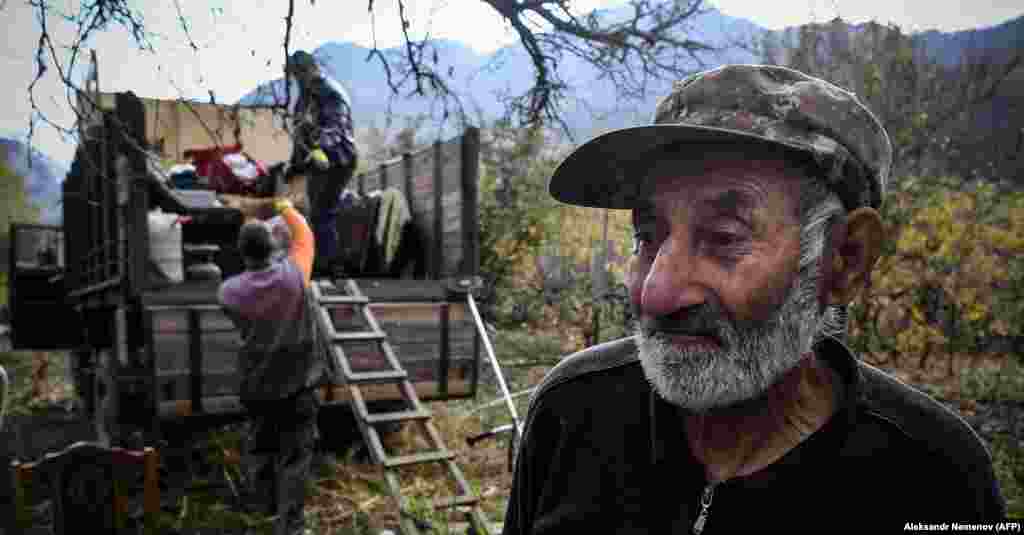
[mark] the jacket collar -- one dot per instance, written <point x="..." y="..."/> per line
<point x="666" y="420"/>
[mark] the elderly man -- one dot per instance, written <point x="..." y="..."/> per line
<point x="754" y="198"/>
<point x="324" y="150"/>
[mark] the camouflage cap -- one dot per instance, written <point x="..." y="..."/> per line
<point x="743" y="104"/>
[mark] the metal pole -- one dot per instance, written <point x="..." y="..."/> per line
<point x="494" y="363"/>
<point x="500" y="401"/>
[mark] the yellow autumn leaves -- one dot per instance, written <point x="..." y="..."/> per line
<point x="950" y="276"/>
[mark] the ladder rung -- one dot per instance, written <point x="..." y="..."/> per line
<point x="401" y="416"/>
<point x="457" y="501"/>
<point x="327" y="284"/>
<point x="358" y="337"/>
<point x="418" y="458"/>
<point x="386" y="376"/>
<point x="343" y="300"/>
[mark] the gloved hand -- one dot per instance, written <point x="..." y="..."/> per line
<point x="318" y="159"/>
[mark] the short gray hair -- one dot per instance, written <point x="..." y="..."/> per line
<point x="820" y="210"/>
<point x="255" y="242"/>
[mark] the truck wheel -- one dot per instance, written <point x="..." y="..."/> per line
<point x="105" y="396"/>
<point x="83" y="363"/>
<point x="339" y="431"/>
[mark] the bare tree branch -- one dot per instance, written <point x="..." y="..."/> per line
<point x="650" y="44"/>
<point x="287" y="54"/>
<point x="184" y="26"/>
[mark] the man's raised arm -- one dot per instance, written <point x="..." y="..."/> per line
<point x="303" y="246"/>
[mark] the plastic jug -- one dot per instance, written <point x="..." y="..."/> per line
<point x="165" y="245"/>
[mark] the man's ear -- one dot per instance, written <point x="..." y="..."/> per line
<point x="856" y="247"/>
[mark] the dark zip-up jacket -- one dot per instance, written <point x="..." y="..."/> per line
<point x="324" y="112"/>
<point x="603" y="453"/>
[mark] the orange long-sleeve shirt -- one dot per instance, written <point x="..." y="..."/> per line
<point x="303" y="246"/>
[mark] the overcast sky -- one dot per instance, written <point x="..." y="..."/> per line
<point x="237" y="40"/>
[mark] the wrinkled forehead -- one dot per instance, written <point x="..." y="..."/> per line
<point x="723" y="184"/>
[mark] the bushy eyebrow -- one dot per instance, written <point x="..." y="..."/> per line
<point x="738" y="203"/>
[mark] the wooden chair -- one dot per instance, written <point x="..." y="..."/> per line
<point x="86" y="483"/>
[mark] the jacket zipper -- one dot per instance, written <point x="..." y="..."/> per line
<point x="705" y="508"/>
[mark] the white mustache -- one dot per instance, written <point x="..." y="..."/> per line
<point x="748" y="362"/>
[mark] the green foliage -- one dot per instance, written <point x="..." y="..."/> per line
<point x="20" y="366"/>
<point x="359" y="524"/>
<point x="520" y="223"/>
<point x="950" y="276"/>
<point x="377" y="487"/>
<point x="925" y="106"/>
<point x="203" y="511"/>
<point x="430" y="521"/>
<point x="515" y="209"/>
<point x="1008" y="463"/>
<point x="517" y="345"/>
<point x="15" y="207"/>
<point x="1005" y="383"/>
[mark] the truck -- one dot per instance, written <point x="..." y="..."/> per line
<point x="147" y="353"/>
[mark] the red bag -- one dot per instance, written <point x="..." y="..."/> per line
<point x="209" y="162"/>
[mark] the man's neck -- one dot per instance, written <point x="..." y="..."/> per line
<point x="739" y="441"/>
<point x="259" y="266"/>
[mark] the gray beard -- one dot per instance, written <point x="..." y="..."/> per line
<point x="751" y="359"/>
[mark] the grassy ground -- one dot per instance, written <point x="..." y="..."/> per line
<point x="349" y="497"/>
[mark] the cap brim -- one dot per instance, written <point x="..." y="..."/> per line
<point x="602" y="173"/>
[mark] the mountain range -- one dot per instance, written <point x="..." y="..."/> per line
<point x="481" y="79"/>
<point x="593" y="105"/>
<point x="43" y="177"/>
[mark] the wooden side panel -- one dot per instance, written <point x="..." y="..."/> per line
<point x="425" y="390"/>
<point x="219" y="343"/>
<point x="471" y="201"/>
<point x="422" y="200"/>
<point x="451" y="207"/>
<point x="439" y="182"/>
<point x="414" y="332"/>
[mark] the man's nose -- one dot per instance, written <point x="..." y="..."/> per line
<point x="672" y="283"/>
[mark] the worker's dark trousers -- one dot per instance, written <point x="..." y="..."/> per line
<point x="277" y="458"/>
<point x="324" y="192"/>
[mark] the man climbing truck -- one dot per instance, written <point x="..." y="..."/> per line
<point x="324" y="150"/>
<point x="269" y="303"/>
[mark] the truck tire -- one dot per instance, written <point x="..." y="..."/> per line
<point x="339" y="431"/>
<point x="105" y="413"/>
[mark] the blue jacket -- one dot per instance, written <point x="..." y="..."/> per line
<point x="324" y="111"/>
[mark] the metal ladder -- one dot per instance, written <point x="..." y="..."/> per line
<point x="328" y="296"/>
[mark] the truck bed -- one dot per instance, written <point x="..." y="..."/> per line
<point x="431" y="334"/>
<point x="378" y="290"/>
